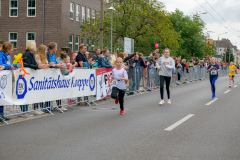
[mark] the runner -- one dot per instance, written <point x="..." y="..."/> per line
<point x="213" y="68"/>
<point x="166" y="65"/>
<point x="118" y="81"/>
<point x="231" y="72"/>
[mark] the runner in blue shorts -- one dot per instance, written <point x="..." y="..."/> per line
<point x="213" y="70"/>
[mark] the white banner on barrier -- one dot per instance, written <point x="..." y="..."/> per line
<point x="103" y="77"/>
<point x="50" y="85"/>
<point x="5" y="87"/>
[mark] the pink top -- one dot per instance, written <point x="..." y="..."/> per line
<point x="69" y="66"/>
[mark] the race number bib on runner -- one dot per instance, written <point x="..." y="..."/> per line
<point x="231" y="70"/>
<point x="213" y="72"/>
<point x="115" y="82"/>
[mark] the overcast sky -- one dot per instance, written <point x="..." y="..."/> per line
<point x="229" y="10"/>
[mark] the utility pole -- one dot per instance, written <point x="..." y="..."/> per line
<point x="101" y="25"/>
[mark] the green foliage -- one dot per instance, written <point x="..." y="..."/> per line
<point x="227" y="51"/>
<point x="149" y="24"/>
<point x="191" y="31"/>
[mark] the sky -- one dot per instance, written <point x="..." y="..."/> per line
<point x="229" y="10"/>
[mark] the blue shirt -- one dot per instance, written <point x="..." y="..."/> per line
<point x="5" y="60"/>
<point x="213" y="73"/>
<point x="51" y="58"/>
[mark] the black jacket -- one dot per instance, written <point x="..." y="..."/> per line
<point x="142" y="63"/>
<point x="129" y="57"/>
<point x="29" y="60"/>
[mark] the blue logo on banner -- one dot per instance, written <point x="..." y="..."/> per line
<point x="21" y="87"/>
<point x="3" y="81"/>
<point x="92" y="82"/>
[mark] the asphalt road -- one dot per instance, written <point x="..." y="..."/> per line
<point x="188" y="129"/>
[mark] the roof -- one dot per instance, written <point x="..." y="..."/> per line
<point x="223" y="43"/>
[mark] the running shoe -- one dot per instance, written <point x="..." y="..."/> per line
<point x="116" y="101"/>
<point x="229" y="85"/>
<point x="169" y="101"/>
<point x="161" y="102"/>
<point x="214" y="96"/>
<point x="122" y="112"/>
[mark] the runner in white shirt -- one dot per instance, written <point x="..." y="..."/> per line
<point x="118" y="82"/>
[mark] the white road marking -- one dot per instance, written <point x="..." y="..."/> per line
<point x="179" y="122"/>
<point x="227" y="91"/>
<point x="212" y="101"/>
<point x="235" y="86"/>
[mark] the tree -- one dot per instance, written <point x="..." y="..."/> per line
<point x="227" y="51"/>
<point x="210" y="49"/>
<point x="191" y="31"/>
<point x="146" y="24"/>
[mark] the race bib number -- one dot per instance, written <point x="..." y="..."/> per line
<point x="231" y="70"/>
<point x="115" y="82"/>
<point x="213" y="72"/>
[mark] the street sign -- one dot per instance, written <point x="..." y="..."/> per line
<point x="128" y="45"/>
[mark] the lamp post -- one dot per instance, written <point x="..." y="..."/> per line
<point x="218" y="44"/>
<point x="112" y="9"/>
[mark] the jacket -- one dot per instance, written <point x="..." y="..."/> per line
<point x="64" y="70"/>
<point x="29" y="60"/>
<point x="5" y="59"/>
<point x="129" y="57"/>
<point x="95" y="58"/>
<point x="51" y="58"/>
<point x="103" y="63"/>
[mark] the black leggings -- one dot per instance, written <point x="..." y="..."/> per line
<point x="118" y="94"/>
<point x="167" y="80"/>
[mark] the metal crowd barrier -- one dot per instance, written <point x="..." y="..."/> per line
<point x="140" y="80"/>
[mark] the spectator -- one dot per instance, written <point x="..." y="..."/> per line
<point x="82" y="61"/>
<point x="52" y="49"/>
<point x="67" y="66"/>
<point x="5" y="61"/>
<point x="81" y="58"/>
<point x="129" y="61"/>
<point x="97" y="55"/>
<point x="30" y="62"/>
<point x="41" y="58"/>
<point x="178" y="67"/>
<point x="187" y="66"/>
<point x="103" y="61"/>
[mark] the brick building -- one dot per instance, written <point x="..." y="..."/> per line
<point x="44" y="21"/>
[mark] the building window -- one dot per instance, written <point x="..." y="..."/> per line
<point x="88" y="14"/>
<point x="93" y="15"/>
<point x="77" y="43"/>
<point x="88" y="44"/>
<point x="13" y="8"/>
<point x="71" y="10"/>
<point x="71" y="42"/>
<point x="30" y="37"/>
<point x="31" y="8"/>
<point x="77" y="12"/>
<point x="83" y="14"/>
<point x="97" y="16"/>
<point x="92" y="45"/>
<point x="82" y="40"/>
<point x="13" y="38"/>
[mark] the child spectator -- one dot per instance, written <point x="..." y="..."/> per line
<point x="6" y="63"/>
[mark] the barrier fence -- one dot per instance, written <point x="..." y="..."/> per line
<point x="83" y="86"/>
